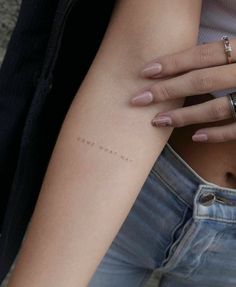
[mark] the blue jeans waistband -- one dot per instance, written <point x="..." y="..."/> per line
<point x="208" y="199"/>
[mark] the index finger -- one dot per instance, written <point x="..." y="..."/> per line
<point x="197" y="57"/>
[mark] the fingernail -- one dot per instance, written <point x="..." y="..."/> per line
<point x="143" y="98"/>
<point x="162" y="121"/>
<point x="200" y="137"/>
<point x="152" y="70"/>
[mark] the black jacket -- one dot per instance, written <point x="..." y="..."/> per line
<point x="51" y="40"/>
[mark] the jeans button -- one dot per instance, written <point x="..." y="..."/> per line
<point x="207" y="199"/>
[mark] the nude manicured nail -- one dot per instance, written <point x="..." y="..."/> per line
<point x="143" y="98"/>
<point x="200" y="137"/>
<point x="162" y="121"/>
<point x="152" y="70"/>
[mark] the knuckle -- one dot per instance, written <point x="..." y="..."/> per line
<point x="218" y="111"/>
<point x="205" y="54"/>
<point x="230" y="134"/>
<point x="233" y="71"/>
<point x="178" y="119"/>
<point x="160" y="92"/>
<point x="173" y="64"/>
<point x="224" y="136"/>
<point x="201" y="82"/>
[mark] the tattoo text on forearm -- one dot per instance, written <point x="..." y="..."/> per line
<point x="102" y="148"/>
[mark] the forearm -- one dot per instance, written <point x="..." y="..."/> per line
<point x="105" y="148"/>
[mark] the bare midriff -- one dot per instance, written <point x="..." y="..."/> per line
<point x="215" y="162"/>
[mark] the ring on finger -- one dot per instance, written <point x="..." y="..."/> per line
<point x="232" y="103"/>
<point x="228" y="49"/>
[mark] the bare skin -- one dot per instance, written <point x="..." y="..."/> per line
<point x="216" y="162"/>
<point x="105" y="148"/>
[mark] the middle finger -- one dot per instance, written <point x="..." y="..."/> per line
<point x="192" y="83"/>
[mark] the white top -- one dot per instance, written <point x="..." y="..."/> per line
<point x="218" y="18"/>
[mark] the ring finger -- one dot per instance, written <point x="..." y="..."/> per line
<point x="210" y="111"/>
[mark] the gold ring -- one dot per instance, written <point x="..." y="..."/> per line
<point x="228" y="49"/>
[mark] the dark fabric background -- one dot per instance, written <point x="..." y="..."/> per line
<point x="48" y="56"/>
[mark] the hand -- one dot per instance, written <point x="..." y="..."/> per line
<point x="198" y="70"/>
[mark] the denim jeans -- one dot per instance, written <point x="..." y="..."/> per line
<point x="180" y="225"/>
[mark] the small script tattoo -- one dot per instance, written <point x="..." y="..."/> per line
<point x="103" y="148"/>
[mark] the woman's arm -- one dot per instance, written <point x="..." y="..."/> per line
<point x="105" y="148"/>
